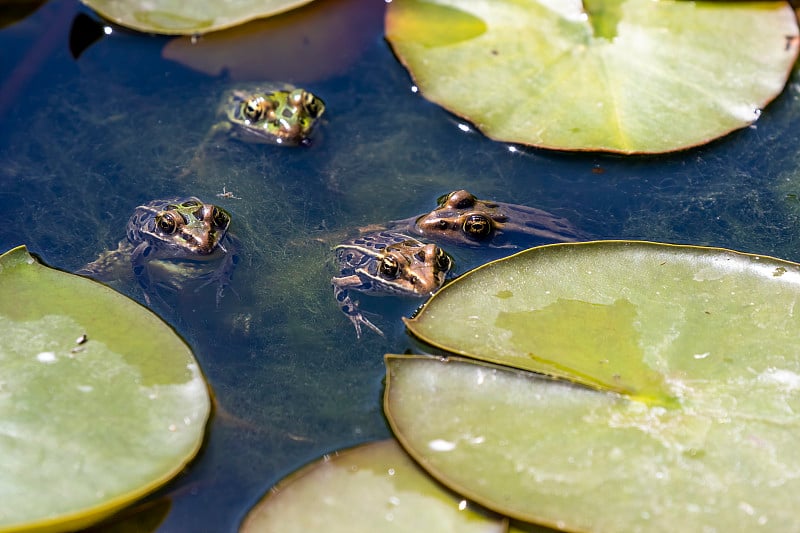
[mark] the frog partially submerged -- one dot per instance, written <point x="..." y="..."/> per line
<point x="170" y="242"/>
<point x="386" y="263"/>
<point x="462" y="219"/>
<point x="275" y="116"/>
<point x="280" y="115"/>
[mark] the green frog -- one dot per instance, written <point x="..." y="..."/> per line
<point x="463" y="219"/>
<point x="263" y="115"/>
<point x="386" y="263"/>
<point x="269" y="115"/>
<point x="173" y="240"/>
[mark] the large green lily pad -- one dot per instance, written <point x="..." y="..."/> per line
<point x="583" y="460"/>
<point x="373" y="487"/>
<point x="614" y="75"/>
<point x="625" y="316"/>
<point x="100" y="401"/>
<point x="702" y="344"/>
<point x="177" y="17"/>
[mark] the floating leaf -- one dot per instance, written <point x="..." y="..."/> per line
<point x="100" y="401"/>
<point x="374" y="487"/>
<point x="620" y="76"/>
<point x="582" y="460"/>
<point x="625" y="316"/>
<point x="175" y="17"/>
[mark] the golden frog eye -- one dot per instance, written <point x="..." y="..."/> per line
<point x="255" y="107"/>
<point x="196" y="205"/>
<point x="167" y="222"/>
<point x="192" y="203"/>
<point x="388" y="268"/>
<point x="443" y="261"/>
<point x="461" y="200"/>
<point x="220" y="217"/>
<point x="478" y="226"/>
<point x="313" y="105"/>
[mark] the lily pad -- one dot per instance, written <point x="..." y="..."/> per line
<point x="373" y="487"/>
<point x="175" y="17"/>
<point x="624" y="316"/>
<point x="570" y="457"/>
<point x="100" y="401"/>
<point x="628" y="76"/>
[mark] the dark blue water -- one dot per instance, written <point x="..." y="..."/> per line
<point x="84" y="140"/>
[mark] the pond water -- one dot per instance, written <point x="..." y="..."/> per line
<point x="83" y="140"/>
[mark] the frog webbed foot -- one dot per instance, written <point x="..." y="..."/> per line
<point x="222" y="282"/>
<point x="151" y="295"/>
<point x="153" y="292"/>
<point x="358" y="318"/>
<point x="350" y="308"/>
<point x="223" y="276"/>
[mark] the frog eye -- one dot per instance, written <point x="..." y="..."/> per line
<point x="167" y="222"/>
<point x="255" y="107"/>
<point x="388" y="268"/>
<point x="192" y="203"/>
<point x="478" y="226"/>
<point x="443" y="261"/>
<point x="296" y="97"/>
<point x="461" y="200"/>
<point x="313" y="105"/>
<point x="220" y="217"/>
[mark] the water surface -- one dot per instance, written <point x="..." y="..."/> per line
<point x="83" y="141"/>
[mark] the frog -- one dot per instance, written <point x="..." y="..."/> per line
<point x="386" y="263"/>
<point x="461" y="218"/>
<point x="283" y="116"/>
<point x="169" y="242"/>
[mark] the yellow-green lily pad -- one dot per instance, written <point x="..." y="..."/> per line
<point x="570" y="457"/>
<point x="176" y="17"/>
<point x="625" y="316"/>
<point x="373" y="487"/>
<point x="628" y="76"/>
<point x="100" y="401"/>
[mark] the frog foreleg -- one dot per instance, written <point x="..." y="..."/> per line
<point x="223" y="275"/>
<point x="139" y="259"/>
<point x="349" y="306"/>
